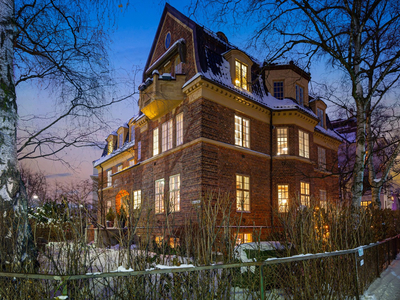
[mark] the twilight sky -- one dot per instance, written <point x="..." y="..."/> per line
<point x="130" y="45"/>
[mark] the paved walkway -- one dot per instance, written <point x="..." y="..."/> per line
<point x="387" y="287"/>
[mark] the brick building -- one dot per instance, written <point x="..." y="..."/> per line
<point x="212" y="118"/>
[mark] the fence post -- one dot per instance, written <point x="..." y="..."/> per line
<point x="262" y="291"/>
<point x="377" y="261"/>
<point x="356" y="275"/>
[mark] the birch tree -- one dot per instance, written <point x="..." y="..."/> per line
<point x="359" y="38"/>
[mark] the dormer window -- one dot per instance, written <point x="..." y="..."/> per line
<point x="133" y="134"/>
<point x="299" y="95"/>
<point x="240" y="75"/>
<point x="121" y="139"/>
<point x="278" y="90"/>
<point x="110" y="147"/>
<point x="320" y="114"/>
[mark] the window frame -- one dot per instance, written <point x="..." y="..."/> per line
<point x="242" y="132"/>
<point x="139" y="150"/>
<point x="159" y="192"/>
<point x="120" y="140"/>
<point x="323" y="203"/>
<point x="137" y="199"/>
<point x="282" y="207"/>
<point x="179" y="129"/>
<point x="305" y="193"/>
<point x="280" y="141"/>
<point x="166" y="133"/>
<point x="110" y="146"/>
<point x="132" y="134"/>
<point x="321" y="158"/>
<point x="240" y="79"/>
<point x="278" y="94"/>
<point x="304" y="144"/>
<point x="320" y="115"/>
<point x="119" y="167"/>
<point x="300" y="95"/>
<point x="108" y="177"/>
<point x="131" y="161"/>
<point x="174" y="193"/>
<point x="243" y="238"/>
<point x="156" y="143"/>
<point x="242" y="202"/>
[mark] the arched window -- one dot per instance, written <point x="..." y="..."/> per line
<point x="122" y="200"/>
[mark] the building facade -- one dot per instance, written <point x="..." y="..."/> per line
<point x="214" y="119"/>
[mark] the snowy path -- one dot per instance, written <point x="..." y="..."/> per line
<point x="387" y="287"/>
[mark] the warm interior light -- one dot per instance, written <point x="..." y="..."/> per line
<point x="284" y="149"/>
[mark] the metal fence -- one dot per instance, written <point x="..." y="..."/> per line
<point x="334" y="275"/>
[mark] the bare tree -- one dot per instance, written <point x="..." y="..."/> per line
<point x="62" y="46"/>
<point x="36" y="185"/>
<point x="359" y="38"/>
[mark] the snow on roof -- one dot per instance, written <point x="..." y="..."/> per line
<point x="114" y="153"/>
<point x="330" y="132"/>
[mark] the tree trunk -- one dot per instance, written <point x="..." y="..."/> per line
<point x="13" y="200"/>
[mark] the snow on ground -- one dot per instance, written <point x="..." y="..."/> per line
<point x="387" y="287"/>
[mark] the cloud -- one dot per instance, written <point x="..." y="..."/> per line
<point x="59" y="175"/>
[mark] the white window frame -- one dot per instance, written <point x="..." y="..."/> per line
<point x="167" y="135"/>
<point x="119" y="168"/>
<point x="137" y="199"/>
<point x="240" y="78"/>
<point x="304" y="144"/>
<point x="305" y="193"/>
<point x="179" y="129"/>
<point x="322" y="158"/>
<point x="282" y="141"/>
<point x="159" y="196"/>
<point x="242" y="193"/>
<point x="300" y="95"/>
<point x="322" y="199"/>
<point x="174" y="193"/>
<point x="131" y="161"/>
<point x="109" y="178"/>
<point x="242" y="131"/>
<point x="283" y="198"/>
<point x="156" y="143"/>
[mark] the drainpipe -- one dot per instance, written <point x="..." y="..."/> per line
<point x="102" y="206"/>
<point x="271" y="128"/>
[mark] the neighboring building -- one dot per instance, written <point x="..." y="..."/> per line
<point x="212" y="118"/>
<point x="389" y="197"/>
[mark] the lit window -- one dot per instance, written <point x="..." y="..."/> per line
<point x="179" y="129"/>
<point x="109" y="179"/>
<point x="365" y="204"/>
<point x="299" y="95"/>
<point x="244" y="238"/>
<point x="139" y="149"/>
<point x="137" y="199"/>
<point x="167" y="136"/>
<point x="282" y="141"/>
<point x="131" y="161"/>
<point x="159" y="240"/>
<point x="283" y="198"/>
<point x="110" y="147"/>
<point x="278" y="90"/>
<point x="304" y="144"/>
<point x="240" y="75"/>
<point x="320" y="114"/>
<point x="174" y="193"/>
<point x="133" y="134"/>
<point x="155" y="142"/>
<point x="321" y="158"/>
<point x="305" y="193"/>
<point x="119" y="167"/>
<point x="159" y="199"/>
<point x="242" y="132"/>
<point x="242" y="193"/>
<point x="174" y="242"/>
<point x="121" y="139"/>
<point x="322" y="199"/>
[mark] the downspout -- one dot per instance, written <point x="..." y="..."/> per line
<point x="271" y="128"/>
<point x="102" y="211"/>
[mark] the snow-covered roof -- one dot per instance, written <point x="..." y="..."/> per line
<point x="330" y="132"/>
<point x="114" y="153"/>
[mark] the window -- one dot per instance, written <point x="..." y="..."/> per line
<point x="174" y="242"/>
<point x="305" y="193"/>
<point x="119" y="167"/>
<point x="108" y="206"/>
<point x="121" y="139"/>
<point x="366" y="204"/>
<point x="139" y="149"/>
<point x="299" y="95"/>
<point x="131" y="161"/>
<point x="159" y="240"/>
<point x="133" y="134"/>
<point x="155" y="142"/>
<point x="278" y="90"/>
<point x="137" y="199"/>
<point x="167" y="135"/>
<point x="282" y="141"/>
<point x="159" y="199"/>
<point x="242" y="193"/>
<point x="174" y="193"/>
<point x="242" y="132"/>
<point x="320" y="114"/>
<point x="322" y="199"/>
<point x="244" y="238"/>
<point x="304" y="144"/>
<point x="321" y="158"/>
<point x="179" y="129"/>
<point x="240" y="75"/>
<point x="110" y="147"/>
<point x="109" y="179"/>
<point x="283" y="198"/>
